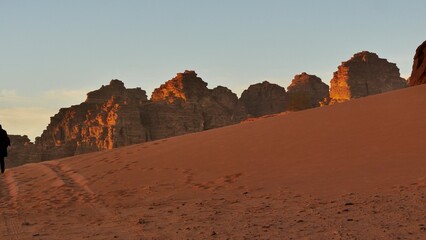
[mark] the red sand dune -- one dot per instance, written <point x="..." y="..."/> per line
<point x="355" y="170"/>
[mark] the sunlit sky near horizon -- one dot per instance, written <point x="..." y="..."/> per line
<point x="53" y="52"/>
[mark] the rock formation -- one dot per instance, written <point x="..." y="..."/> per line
<point x="108" y="118"/>
<point x="184" y="87"/>
<point x="418" y="74"/>
<point x="363" y="75"/>
<point x="306" y="91"/>
<point x="115" y="116"/>
<point x="21" y="151"/>
<point x="263" y="99"/>
<point x="184" y="104"/>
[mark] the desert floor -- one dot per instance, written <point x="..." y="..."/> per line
<point x="355" y="170"/>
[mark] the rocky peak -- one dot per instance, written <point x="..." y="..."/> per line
<point x="184" y="104"/>
<point x="363" y="75"/>
<point x="115" y="83"/>
<point x="304" y="78"/>
<point x="418" y="74"/>
<point x="306" y="91"/>
<point x="364" y="56"/>
<point x="264" y="98"/>
<point x="225" y="97"/>
<point x="184" y="87"/>
<point x="117" y="90"/>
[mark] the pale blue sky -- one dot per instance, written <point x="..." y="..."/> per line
<point x="53" y="51"/>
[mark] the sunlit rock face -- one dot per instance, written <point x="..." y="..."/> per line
<point x="306" y="91"/>
<point x="418" y="74"/>
<point x="184" y="104"/>
<point x="108" y="118"/>
<point x="263" y="99"/>
<point x="184" y="87"/>
<point x="363" y="75"/>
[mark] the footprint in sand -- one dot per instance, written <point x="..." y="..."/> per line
<point x="12" y="220"/>
<point x="217" y="184"/>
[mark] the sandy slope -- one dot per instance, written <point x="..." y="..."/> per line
<point x="350" y="171"/>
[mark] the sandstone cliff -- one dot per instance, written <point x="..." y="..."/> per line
<point x="115" y="116"/>
<point x="363" y="75"/>
<point x="108" y="118"/>
<point x="306" y="91"/>
<point x="418" y="74"/>
<point x="263" y="99"/>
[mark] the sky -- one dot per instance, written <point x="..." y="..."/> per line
<point x="52" y="52"/>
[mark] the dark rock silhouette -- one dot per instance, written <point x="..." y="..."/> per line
<point x="306" y="91"/>
<point x="263" y="99"/>
<point x="418" y="74"/>
<point x="363" y="75"/>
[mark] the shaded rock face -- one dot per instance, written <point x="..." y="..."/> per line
<point x="264" y="98"/>
<point x="306" y="91"/>
<point x="221" y="108"/>
<point x="418" y="74"/>
<point x="164" y="120"/>
<point x="184" y="104"/>
<point x="21" y="151"/>
<point x="363" y="75"/>
<point x="108" y="118"/>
